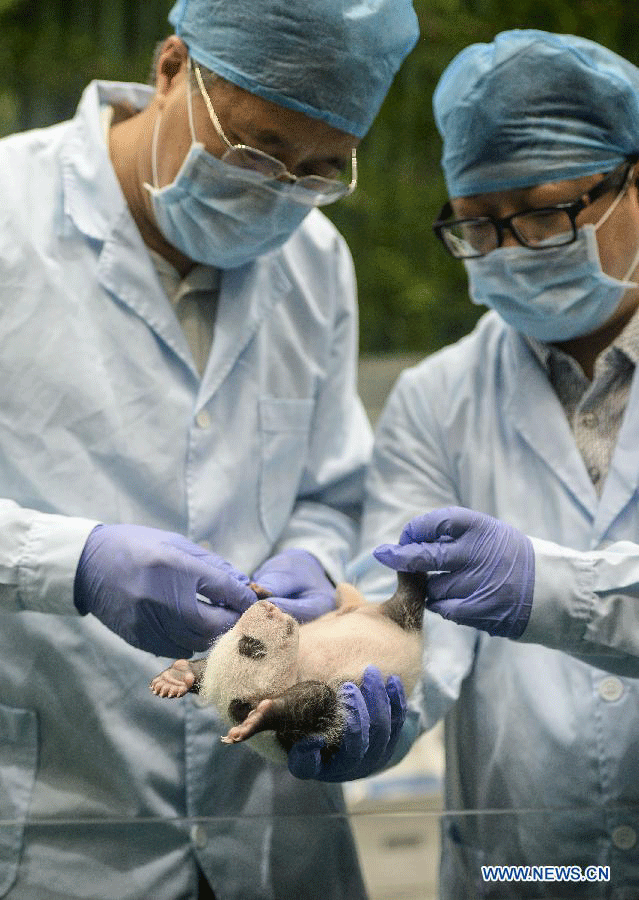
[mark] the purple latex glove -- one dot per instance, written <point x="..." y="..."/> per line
<point x="142" y="584"/>
<point x="486" y="569"/>
<point x="298" y="583"/>
<point x="375" y="713"/>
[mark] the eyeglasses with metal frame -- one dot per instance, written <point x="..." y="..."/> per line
<point x="312" y="190"/>
<point x="537" y="228"/>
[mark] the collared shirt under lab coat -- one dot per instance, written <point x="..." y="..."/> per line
<point x="103" y="417"/>
<point x="544" y="745"/>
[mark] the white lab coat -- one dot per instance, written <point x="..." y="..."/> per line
<point x="103" y="417"/>
<point x="544" y="745"/>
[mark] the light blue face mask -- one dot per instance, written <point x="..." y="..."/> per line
<point x="218" y="214"/>
<point x="553" y="294"/>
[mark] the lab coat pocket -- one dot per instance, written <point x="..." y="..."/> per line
<point x="18" y="761"/>
<point x="284" y="428"/>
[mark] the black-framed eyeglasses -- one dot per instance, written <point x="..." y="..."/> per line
<point x="537" y="228"/>
<point x="310" y="190"/>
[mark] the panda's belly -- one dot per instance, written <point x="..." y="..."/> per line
<point x="337" y="648"/>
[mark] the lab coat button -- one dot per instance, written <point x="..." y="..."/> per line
<point x="611" y="688"/>
<point x="199" y="836"/>
<point x="624" y="837"/>
<point x="203" y="419"/>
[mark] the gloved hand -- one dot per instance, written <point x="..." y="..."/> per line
<point x="375" y="714"/>
<point x="142" y="584"/>
<point x="485" y="568"/>
<point x="298" y="583"/>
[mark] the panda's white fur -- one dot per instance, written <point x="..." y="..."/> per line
<point x="334" y="648"/>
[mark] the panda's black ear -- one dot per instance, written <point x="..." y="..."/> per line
<point x="251" y="646"/>
<point x="239" y="710"/>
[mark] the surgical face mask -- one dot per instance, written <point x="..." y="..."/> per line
<point x="218" y="214"/>
<point x="553" y="294"/>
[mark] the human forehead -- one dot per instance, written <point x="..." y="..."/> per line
<point x="538" y="195"/>
<point x="269" y="126"/>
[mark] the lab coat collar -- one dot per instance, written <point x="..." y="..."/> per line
<point x="622" y="480"/>
<point x="536" y="413"/>
<point x="93" y="198"/>
<point x="548" y="433"/>
<point x="247" y="295"/>
<point x="94" y="201"/>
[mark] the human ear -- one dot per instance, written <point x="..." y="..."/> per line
<point x="171" y="61"/>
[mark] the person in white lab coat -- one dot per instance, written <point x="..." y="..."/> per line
<point x="178" y="413"/>
<point x="508" y="465"/>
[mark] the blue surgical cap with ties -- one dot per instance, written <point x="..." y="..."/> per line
<point x="533" y="107"/>
<point x="333" y="60"/>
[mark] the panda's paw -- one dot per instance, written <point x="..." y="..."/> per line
<point x="176" y="681"/>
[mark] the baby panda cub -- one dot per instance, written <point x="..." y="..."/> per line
<point x="277" y="681"/>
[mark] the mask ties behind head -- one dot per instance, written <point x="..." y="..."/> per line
<point x="617" y="200"/>
<point x="156" y="130"/>
<point x="609" y="212"/>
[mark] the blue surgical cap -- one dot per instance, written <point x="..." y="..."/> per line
<point x="333" y="60"/>
<point x="534" y="107"/>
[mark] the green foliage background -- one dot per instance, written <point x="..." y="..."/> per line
<point x="412" y="297"/>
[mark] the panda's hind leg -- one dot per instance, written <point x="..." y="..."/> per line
<point x="306" y="708"/>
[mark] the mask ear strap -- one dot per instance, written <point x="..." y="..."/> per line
<point x="189" y="99"/>
<point x="632" y="267"/>
<point x="635" y="261"/>
<point x="611" y="209"/>
<point x="156" y="129"/>
<point x="154" y="151"/>
<point x="618" y="198"/>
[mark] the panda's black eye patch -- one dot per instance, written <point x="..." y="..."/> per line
<point x="251" y="647"/>
<point x="239" y="710"/>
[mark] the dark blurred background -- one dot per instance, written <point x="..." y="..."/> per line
<point x="412" y="297"/>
